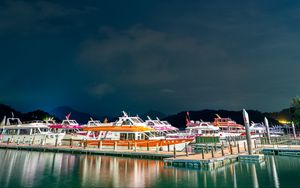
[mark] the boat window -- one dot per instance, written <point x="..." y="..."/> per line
<point x="140" y="120"/>
<point x="73" y="122"/>
<point x="44" y="129"/>
<point x="35" y="131"/>
<point x="127" y="122"/>
<point x="131" y="136"/>
<point x="150" y="123"/>
<point x="24" y="132"/>
<point x="136" y="120"/>
<point x="11" y="132"/>
<point x="123" y="136"/>
<point x="13" y="121"/>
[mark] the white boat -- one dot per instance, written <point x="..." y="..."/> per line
<point x="70" y="128"/>
<point x="130" y="131"/>
<point x="201" y="128"/>
<point x="162" y="127"/>
<point x="276" y="131"/>
<point x="257" y="129"/>
<point x="34" y="132"/>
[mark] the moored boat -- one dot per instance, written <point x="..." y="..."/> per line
<point x="70" y="128"/>
<point x="131" y="131"/>
<point x="34" y="132"/>
<point x="228" y="127"/>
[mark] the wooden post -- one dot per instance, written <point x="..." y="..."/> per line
<point x="8" y="140"/>
<point x="148" y="146"/>
<point x="212" y="153"/>
<point x="215" y="146"/>
<point x="238" y="147"/>
<point x="71" y="142"/>
<point x="234" y="141"/>
<point x="115" y="146"/>
<point x="84" y="144"/>
<point x="128" y="145"/>
<point x="294" y="131"/>
<point x="255" y="146"/>
<point x="222" y="149"/>
<point x="268" y="131"/>
<point x="100" y="143"/>
<point x="174" y="151"/>
<point x="168" y="147"/>
<point x="33" y="140"/>
<point x="245" y="147"/>
<point x="186" y="150"/>
<point x="156" y="147"/>
<point x="202" y="151"/>
<point x="248" y="132"/>
<point x="206" y="148"/>
<point x="56" y="140"/>
<point x="135" y="146"/>
<point x="230" y="148"/>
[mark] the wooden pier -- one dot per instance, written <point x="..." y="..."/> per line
<point x="215" y="158"/>
<point x="286" y="150"/>
<point x="92" y="151"/>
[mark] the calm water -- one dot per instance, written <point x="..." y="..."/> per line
<point x="35" y="169"/>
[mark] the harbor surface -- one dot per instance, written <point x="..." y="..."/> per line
<point x="40" y="169"/>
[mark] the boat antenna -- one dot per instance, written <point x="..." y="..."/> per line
<point x="12" y="115"/>
<point x="187" y="117"/>
<point x="124" y="113"/>
<point x="157" y="119"/>
<point x="149" y="118"/>
<point x="68" y="116"/>
<point x="218" y="116"/>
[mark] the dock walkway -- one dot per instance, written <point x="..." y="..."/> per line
<point x="93" y="151"/>
<point x="214" y="158"/>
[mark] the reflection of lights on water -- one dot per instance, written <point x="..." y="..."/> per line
<point x="119" y="171"/>
<point x="10" y="166"/>
<point x="254" y="176"/>
<point x="274" y="172"/>
<point x="234" y="176"/>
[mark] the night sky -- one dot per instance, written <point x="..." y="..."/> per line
<point x="108" y="56"/>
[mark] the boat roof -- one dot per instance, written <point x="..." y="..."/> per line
<point x="123" y="128"/>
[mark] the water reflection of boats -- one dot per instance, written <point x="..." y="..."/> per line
<point x="138" y="173"/>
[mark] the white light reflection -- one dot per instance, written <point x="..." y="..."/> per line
<point x="274" y="172"/>
<point x="254" y="176"/>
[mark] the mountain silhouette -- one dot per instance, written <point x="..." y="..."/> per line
<point x="178" y="120"/>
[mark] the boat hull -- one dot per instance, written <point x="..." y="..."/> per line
<point x="162" y="145"/>
<point x="43" y="139"/>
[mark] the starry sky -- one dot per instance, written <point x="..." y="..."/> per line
<point x="108" y="56"/>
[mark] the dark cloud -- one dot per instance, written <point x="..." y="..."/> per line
<point x="138" y="55"/>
